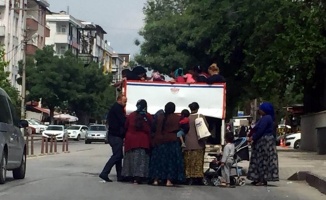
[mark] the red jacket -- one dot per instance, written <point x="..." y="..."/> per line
<point x="137" y="138"/>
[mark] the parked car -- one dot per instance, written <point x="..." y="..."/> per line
<point x="96" y="133"/>
<point x="55" y="130"/>
<point x="77" y="132"/>
<point x="293" y="140"/>
<point x="39" y="128"/>
<point x="12" y="142"/>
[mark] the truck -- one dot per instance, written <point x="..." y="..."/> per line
<point x="211" y="99"/>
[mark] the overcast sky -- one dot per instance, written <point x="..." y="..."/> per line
<point x="121" y="19"/>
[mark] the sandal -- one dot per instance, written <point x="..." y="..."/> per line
<point x="155" y="183"/>
<point x="224" y="185"/>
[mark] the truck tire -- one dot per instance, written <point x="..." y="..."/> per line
<point x="3" y="168"/>
<point x="20" y="172"/>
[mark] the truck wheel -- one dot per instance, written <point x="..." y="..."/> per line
<point x="3" y="168"/>
<point x="20" y="172"/>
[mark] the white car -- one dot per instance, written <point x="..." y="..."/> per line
<point x="77" y="132"/>
<point x="293" y="140"/>
<point x="39" y="128"/>
<point x="55" y="130"/>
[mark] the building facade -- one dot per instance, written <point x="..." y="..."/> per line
<point x="64" y="34"/>
<point x="12" y="31"/>
<point x="36" y="29"/>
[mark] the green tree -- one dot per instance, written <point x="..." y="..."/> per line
<point x="44" y="79"/>
<point x="4" y="81"/>
<point x="271" y="49"/>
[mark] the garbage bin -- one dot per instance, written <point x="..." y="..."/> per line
<point x="321" y="140"/>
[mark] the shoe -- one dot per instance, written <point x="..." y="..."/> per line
<point x="105" y="178"/>
<point x="183" y="145"/>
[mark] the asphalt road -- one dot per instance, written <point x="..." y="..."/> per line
<point x="74" y="176"/>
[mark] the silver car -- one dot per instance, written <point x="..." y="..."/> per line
<point x="12" y="142"/>
<point x="96" y="133"/>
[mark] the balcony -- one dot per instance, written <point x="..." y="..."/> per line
<point x="47" y="31"/>
<point x="32" y="24"/>
<point x="31" y="49"/>
<point x="2" y="30"/>
<point x="61" y="39"/>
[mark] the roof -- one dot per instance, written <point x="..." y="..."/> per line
<point x="44" y="110"/>
<point x="101" y="29"/>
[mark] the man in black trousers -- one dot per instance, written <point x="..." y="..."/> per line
<point x="116" y="120"/>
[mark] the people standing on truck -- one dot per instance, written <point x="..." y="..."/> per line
<point x="199" y="75"/>
<point x="166" y="157"/>
<point x="195" y="149"/>
<point x="263" y="165"/>
<point x="137" y="144"/>
<point x="189" y="76"/>
<point x="215" y="76"/>
<point x="116" y="122"/>
<point x="178" y="74"/>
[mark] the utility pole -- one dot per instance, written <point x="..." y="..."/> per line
<point x="23" y="93"/>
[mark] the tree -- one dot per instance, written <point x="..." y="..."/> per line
<point x="65" y="82"/>
<point x="261" y="47"/>
<point x="4" y="81"/>
<point x="44" y="79"/>
<point x="88" y="91"/>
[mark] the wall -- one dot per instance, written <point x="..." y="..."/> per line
<point x="309" y="123"/>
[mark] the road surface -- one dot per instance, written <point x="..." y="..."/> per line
<point x="74" y="176"/>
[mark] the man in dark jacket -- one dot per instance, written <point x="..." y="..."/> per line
<point x="116" y="120"/>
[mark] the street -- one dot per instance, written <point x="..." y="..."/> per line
<point x="74" y="176"/>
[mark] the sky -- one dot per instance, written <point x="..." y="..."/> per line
<point x="121" y="19"/>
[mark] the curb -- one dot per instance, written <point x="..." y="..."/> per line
<point x="312" y="179"/>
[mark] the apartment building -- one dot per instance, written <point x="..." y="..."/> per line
<point x="36" y="28"/>
<point x="12" y="29"/>
<point x="64" y="33"/>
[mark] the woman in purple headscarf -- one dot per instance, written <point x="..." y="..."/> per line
<point x="263" y="165"/>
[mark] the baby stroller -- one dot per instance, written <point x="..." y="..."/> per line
<point x="212" y="176"/>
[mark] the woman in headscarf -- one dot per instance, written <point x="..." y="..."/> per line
<point x="166" y="158"/>
<point x="195" y="149"/>
<point x="263" y="165"/>
<point x="137" y="143"/>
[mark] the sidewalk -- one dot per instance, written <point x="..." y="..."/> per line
<point x="296" y="165"/>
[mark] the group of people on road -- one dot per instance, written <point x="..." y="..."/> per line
<point x="177" y="75"/>
<point x="154" y="150"/>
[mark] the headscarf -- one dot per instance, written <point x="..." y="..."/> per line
<point x="169" y="108"/>
<point x="176" y="72"/>
<point x="141" y="106"/>
<point x="268" y="109"/>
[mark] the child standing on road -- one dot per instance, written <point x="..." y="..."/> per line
<point x="184" y="126"/>
<point x="227" y="158"/>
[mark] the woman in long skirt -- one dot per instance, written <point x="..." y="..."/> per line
<point x="263" y="165"/>
<point x="195" y="149"/>
<point x="137" y="144"/>
<point x="166" y="158"/>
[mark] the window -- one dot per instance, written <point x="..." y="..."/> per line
<point x="5" y="114"/>
<point x="61" y="29"/>
<point x="62" y="50"/>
